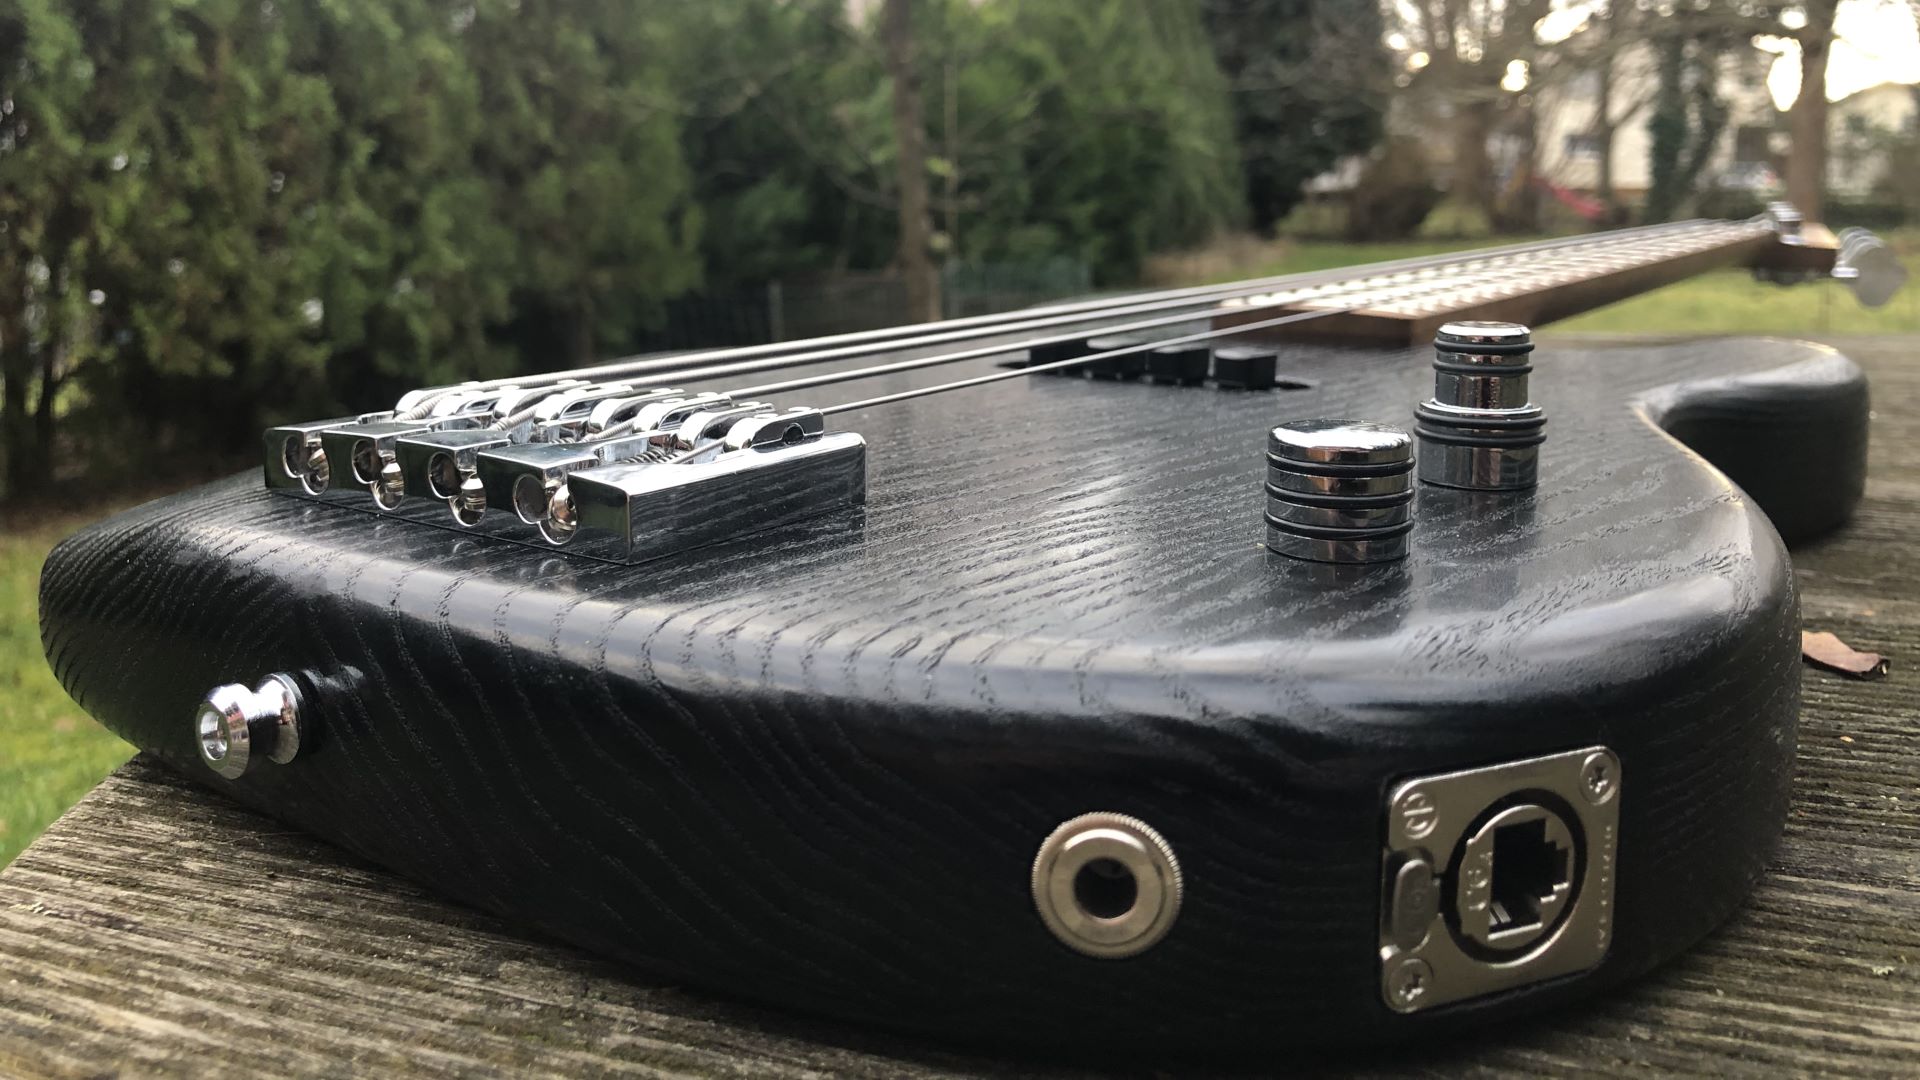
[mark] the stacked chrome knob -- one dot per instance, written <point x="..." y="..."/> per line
<point x="1479" y="431"/>
<point x="1339" y="491"/>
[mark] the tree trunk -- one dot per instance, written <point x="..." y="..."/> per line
<point x="1807" y="160"/>
<point x="1519" y="209"/>
<point x="950" y="137"/>
<point x="910" y="137"/>
<point x="17" y="429"/>
<point x="1472" y="169"/>
<point x="1604" y="124"/>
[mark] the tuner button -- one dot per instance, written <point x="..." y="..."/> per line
<point x="1468" y="334"/>
<point x="235" y="727"/>
<point x="1479" y="431"/>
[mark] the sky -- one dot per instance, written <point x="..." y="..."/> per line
<point x="1877" y="44"/>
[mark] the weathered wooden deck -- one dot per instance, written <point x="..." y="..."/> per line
<point x="158" y="929"/>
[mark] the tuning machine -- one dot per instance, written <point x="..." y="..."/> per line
<point x="1866" y="265"/>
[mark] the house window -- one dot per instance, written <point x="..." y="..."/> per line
<point x="1583" y="146"/>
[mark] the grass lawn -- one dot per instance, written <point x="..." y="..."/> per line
<point x="1723" y="302"/>
<point x="50" y="751"/>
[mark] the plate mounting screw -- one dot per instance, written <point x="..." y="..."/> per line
<point x="1417" y="813"/>
<point x="1598" y="777"/>
<point x="1409" y="981"/>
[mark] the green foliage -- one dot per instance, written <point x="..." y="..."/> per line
<point x="231" y="207"/>
<point x="216" y="214"/>
<point x="1686" y="120"/>
<point x="1100" y="131"/>
<point x="1308" y="79"/>
<point x="784" y="119"/>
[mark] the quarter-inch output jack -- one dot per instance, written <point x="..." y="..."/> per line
<point x="1107" y="885"/>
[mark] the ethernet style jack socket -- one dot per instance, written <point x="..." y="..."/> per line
<point x="1497" y="877"/>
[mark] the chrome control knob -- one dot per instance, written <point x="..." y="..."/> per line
<point x="1339" y="491"/>
<point x="236" y="727"/>
<point x="1479" y="431"/>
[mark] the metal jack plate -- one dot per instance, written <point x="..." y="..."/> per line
<point x="1497" y="877"/>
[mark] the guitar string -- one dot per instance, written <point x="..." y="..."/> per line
<point x="1333" y="279"/>
<point x="1374" y="296"/>
<point x="914" y="364"/>
<point x="1195" y="338"/>
<point x="1347" y="277"/>
<point x="686" y="453"/>
<point x="965" y="329"/>
<point x="1573" y="251"/>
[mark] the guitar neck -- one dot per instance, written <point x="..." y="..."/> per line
<point x="1530" y="284"/>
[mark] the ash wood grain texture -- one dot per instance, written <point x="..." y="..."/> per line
<point x="99" y="921"/>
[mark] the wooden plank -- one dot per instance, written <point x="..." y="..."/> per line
<point x="159" y="930"/>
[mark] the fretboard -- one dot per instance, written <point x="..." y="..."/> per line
<point x="1529" y="284"/>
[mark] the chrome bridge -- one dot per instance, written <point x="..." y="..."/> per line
<point x="609" y="470"/>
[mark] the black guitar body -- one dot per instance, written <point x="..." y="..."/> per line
<point x="813" y="767"/>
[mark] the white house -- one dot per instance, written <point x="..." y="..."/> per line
<point x="1858" y="128"/>
<point x="1567" y="109"/>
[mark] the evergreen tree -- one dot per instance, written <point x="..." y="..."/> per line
<point x="1099" y="131"/>
<point x="1308" y="79"/>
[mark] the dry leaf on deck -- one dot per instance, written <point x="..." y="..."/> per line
<point x="1825" y="650"/>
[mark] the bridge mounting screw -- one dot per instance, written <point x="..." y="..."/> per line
<point x="1410" y="981"/>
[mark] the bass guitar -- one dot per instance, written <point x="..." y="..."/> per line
<point x="1313" y="660"/>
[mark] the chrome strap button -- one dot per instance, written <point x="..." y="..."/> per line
<point x="234" y="727"/>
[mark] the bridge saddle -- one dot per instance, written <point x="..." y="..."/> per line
<point x="606" y="469"/>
